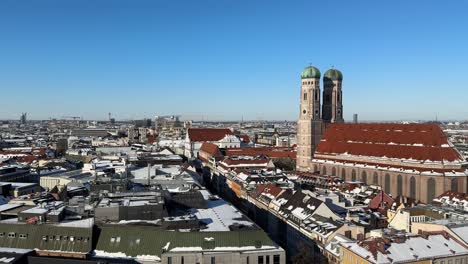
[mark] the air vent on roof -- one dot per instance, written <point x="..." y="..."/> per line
<point x="258" y="244"/>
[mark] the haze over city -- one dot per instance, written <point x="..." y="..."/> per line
<point x="227" y="60"/>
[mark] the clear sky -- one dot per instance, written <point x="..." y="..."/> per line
<point x="224" y="59"/>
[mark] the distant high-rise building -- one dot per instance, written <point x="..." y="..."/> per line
<point x="355" y="118"/>
<point x="23" y="118"/>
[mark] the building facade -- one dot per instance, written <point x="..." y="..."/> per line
<point x="412" y="160"/>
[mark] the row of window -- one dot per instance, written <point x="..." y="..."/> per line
<point x="260" y="260"/>
<point x="327" y="97"/>
<point x="451" y="261"/>
<point x="13" y="235"/>
<point x="65" y="238"/>
<point x="45" y="238"/>
<point x="386" y="184"/>
<point x="117" y="240"/>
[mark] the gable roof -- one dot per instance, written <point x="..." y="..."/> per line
<point x="208" y="134"/>
<point x="419" y="142"/>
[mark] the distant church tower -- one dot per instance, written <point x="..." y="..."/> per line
<point x="332" y="108"/>
<point x="310" y="125"/>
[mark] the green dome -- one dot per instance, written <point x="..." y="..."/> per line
<point x="333" y="75"/>
<point x="310" y="72"/>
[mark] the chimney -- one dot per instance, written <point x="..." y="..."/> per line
<point x="381" y="246"/>
<point x="360" y="237"/>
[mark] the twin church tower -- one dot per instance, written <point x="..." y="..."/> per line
<point x="314" y="116"/>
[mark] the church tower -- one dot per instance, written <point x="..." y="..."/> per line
<point x="332" y="108"/>
<point x="309" y="125"/>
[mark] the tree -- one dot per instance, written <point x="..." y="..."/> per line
<point x="286" y="164"/>
<point x="303" y="255"/>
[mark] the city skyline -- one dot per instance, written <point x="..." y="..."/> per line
<point x="228" y="60"/>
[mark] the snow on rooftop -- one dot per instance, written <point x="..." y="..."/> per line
<point x="83" y="223"/>
<point x="219" y="215"/>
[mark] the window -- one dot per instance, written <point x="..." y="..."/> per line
<point x="248" y="260"/>
<point x="276" y="259"/>
<point x="13" y="235"/>
<point x="169" y="260"/>
<point x="213" y="260"/>
<point x="430" y="187"/>
<point x="260" y="260"/>
<point x="387" y="183"/>
<point x="305" y="96"/>
<point x="267" y="259"/>
<point x="399" y="185"/>
<point x="23" y="236"/>
<point x="316" y="95"/>
<point x="182" y="260"/>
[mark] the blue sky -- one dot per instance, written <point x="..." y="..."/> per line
<point x="224" y="59"/>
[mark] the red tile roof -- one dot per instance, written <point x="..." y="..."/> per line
<point x="208" y="134"/>
<point x="230" y="161"/>
<point x="244" y="138"/>
<point x="376" y="202"/>
<point x="415" y="141"/>
<point x="274" y="153"/>
<point x="270" y="189"/>
<point x="452" y="194"/>
<point x="211" y="149"/>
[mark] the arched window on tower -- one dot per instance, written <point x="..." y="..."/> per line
<point x="333" y="171"/>
<point x="343" y="174"/>
<point x="364" y="177"/>
<point x="430" y="190"/>
<point x="375" y="179"/>
<point x="316" y="95"/>
<point x="305" y="96"/>
<point x="353" y="175"/>
<point x="338" y="97"/>
<point x="387" y="183"/>
<point x="412" y="185"/>
<point x="399" y="185"/>
<point x="454" y="185"/>
<point x="324" y="170"/>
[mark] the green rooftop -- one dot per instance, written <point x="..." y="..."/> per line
<point x="333" y="75"/>
<point x="147" y="240"/>
<point x="310" y="72"/>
